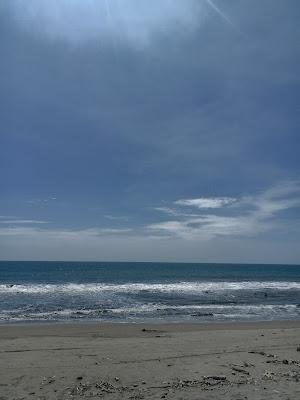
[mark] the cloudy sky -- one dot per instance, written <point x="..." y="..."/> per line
<point x="150" y="130"/>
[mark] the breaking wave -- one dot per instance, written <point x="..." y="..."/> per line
<point x="192" y="313"/>
<point x="179" y="287"/>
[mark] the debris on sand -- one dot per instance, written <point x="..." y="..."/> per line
<point x="284" y="361"/>
<point x="247" y="365"/>
<point x="106" y="387"/>
<point x="215" y="377"/>
<point x="241" y="370"/>
<point x="48" y="380"/>
<point x="292" y="375"/>
<point x="262" y="353"/>
<point x="81" y="389"/>
<point x="268" y="375"/>
<point x="205" y="382"/>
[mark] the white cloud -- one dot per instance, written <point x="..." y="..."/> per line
<point x="60" y="234"/>
<point x="135" y="21"/>
<point x="22" y="221"/>
<point x="114" y="230"/>
<point x="213" y="234"/>
<point x="249" y="216"/>
<point x="174" y="212"/>
<point x="206" y="202"/>
<point x="116" y="217"/>
<point x="42" y="201"/>
<point x="208" y="227"/>
<point x="275" y="199"/>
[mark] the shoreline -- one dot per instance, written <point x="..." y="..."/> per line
<point x="172" y="326"/>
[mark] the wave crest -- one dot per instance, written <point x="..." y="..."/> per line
<point x="178" y="287"/>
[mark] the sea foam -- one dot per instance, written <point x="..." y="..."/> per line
<point x="183" y="287"/>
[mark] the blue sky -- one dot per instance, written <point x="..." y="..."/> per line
<point x="138" y="130"/>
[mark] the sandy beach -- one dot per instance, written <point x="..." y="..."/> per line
<point x="130" y="361"/>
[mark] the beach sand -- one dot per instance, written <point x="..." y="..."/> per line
<point x="133" y="361"/>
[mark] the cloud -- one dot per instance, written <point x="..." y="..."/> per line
<point x="135" y="21"/>
<point x="29" y="233"/>
<point x="114" y="230"/>
<point x="13" y="220"/>
<point x="249" y="215"/>
<point x="42" y="201"/>
<point x="224" y="234"/>
<point x="278" y="198"/>
<point x="207" y="227"/>
<point x="116" y="217"/>
<point x="222" y="15"/>
<point x="214" y="202"/>
<point x="22" y="221"/>
<point x="174" y="212"/>
<point x="217" y="217"/>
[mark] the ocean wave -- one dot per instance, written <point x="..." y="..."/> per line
<point x="157" y="311"/>
<point x="178" y="287"/>
<point x="221" y="308"/>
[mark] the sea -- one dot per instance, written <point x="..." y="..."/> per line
<point x="147" y="292"/>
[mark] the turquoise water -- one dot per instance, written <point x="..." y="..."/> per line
<point x="137" y="292"/>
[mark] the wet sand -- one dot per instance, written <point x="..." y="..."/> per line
<point x="133" y="361"/>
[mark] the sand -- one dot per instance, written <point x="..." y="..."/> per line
<point x="128" y="361"/>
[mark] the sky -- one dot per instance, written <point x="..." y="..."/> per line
<point x="162" y="130"/>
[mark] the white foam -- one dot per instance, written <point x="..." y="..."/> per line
<point x="205" y="307"/>
<point x="179" y="287"/>
<point x="228" y="312"/>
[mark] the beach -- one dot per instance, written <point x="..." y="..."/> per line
<point x="256" y="360"/>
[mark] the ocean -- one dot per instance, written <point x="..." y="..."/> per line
<point x="147" y="292"/>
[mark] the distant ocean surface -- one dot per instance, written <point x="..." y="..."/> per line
<point x="147" y="292"/>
